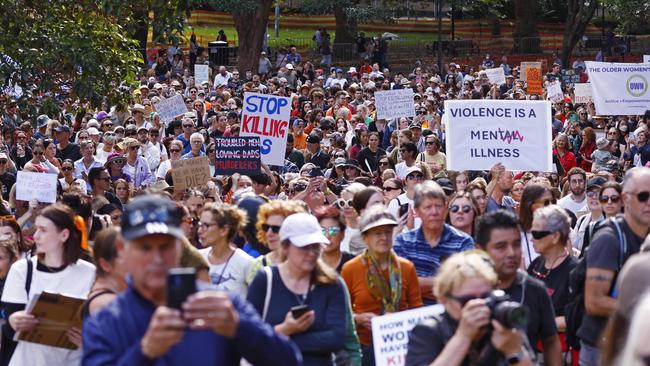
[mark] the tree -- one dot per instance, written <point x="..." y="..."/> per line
<point x="579" y="14"/>
<point x="66" y="47"/>
<point x="525" y="35"/>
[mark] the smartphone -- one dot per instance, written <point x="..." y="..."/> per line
<point x="299" y="310"/>
<point x="181" y="283"/>
<point x="403" y="209"/>
<point x="315" y="172"/>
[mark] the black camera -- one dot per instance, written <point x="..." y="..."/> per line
<point x="508" y="313"/>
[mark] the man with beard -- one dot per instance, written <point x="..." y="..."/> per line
<point x="499" y="234"/>
<point x="502" y="182"/>
<point x="576" y="201"/>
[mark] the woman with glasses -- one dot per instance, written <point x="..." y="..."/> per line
<point x="211" y="152"/>
<point x="69" y="180"/>
<point x="105" y="148"/>
<point x="610" y="199"/>
<point x="392" y="189"/>
<point x="175" y="149"/>
<point x="229" y="265"/>
<point x="534" y="197"/>
<point x="463" y="212"/>
<point x="136" y="167"/>
<point x="435" y="159"/>
<point x="352" y="236"/>
<point x="414" y="177"/>
<point x="37" y="163"/>
<point x="333" y="228"/>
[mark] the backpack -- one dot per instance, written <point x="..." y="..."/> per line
<point x="575" y="310"/>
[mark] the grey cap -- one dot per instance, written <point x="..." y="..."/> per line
<point x="375" y="216"/>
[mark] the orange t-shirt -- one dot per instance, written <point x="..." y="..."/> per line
<point x="300" y="141"/>
<point x="355" y="275"/>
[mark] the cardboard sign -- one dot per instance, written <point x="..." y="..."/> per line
<point x="188" y="173"/>
<point x="56" y="314"/>
<point x="395" y="103"/>
<point x="170" y="108"/>
<point x="481" y="133"/>
<point x="496" y="75"/>
<point x="237" y="155"/>
<point x="390" y="333"/>
<point x="619" y="88"/>
<point x="554" y="91"/>
<point x="527" y="65"/>
<point x="201" y="74"/>
<point x="39" y="186"/>
<point x="534" y="81"/>
<point x="582" y="92"/>
<point x="267" y="117"/>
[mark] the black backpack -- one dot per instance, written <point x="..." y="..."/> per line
<point x="575" y="310"/>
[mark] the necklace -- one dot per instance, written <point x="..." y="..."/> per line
<point x="223" y="270"/>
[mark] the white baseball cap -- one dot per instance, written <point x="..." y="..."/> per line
<point x="302" y="229"/>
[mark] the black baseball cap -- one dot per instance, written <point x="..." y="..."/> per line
<point x="596" y="182"/>
<point x="313" y="139"/>
<point x="62" y="128"/>
<point x="151" y="215"/>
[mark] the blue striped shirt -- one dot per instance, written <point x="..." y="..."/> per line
<point x="413" y="246"/>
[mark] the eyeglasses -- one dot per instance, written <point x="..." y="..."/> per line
<point x="188" y="126"/>
<point x="613" y="198"/>
<point x="389" y="189"/>
<point x="331" y="231"/>
<point x="38" y="153"/>
<point x="456" y="208"/>
<point x="430" y="143"/>
<point x="206" y="226"/>
<point x="197" y="142"/>
<point x="415" y="177"/>
<point x="537" y="235"/>
<point x="341" y="203"/>
<point x="107" y="124"/>
<point x="211" y="151"/>
<point x="67" y="168"/>
<point x="462" y="300"/>
<point x="383" y="163"/>
<point x="174" y="150"/>
<point x="641" y="196"/>
<point x="274" y="228"/>
<point x="592" y="194"/>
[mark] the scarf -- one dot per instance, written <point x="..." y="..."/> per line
<point x="388" y="293"/>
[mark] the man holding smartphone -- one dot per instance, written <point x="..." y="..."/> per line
<point x="210" y="328"/>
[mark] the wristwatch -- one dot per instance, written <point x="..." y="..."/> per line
<point x="514" y="358"/>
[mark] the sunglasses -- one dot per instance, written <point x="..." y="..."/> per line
<point x="605" y="199"/>
<point x="341" y="203"/>
<point x="67" y="168"/>
<point x="383" y="163"/>
<point x="415" y="177"/>
<point x="188" y="126"/>
<point x="274" y="228"/>
<point x="211" y="151"/>
<point x="456" y="208"/>
<point x="107" y="124"/>
<point x="38" y="153"/>
<point x="389" y="189"/>
<point x="643" y="196"/>
<point x="430" y="143"/>
<point x="537" y="235"/>
<point x="592" y="194"/>
<point x="331" y="231"/>
<point x="462" y="300"/>
<point x="174" y="150"/>
<point x="119" y="161"/>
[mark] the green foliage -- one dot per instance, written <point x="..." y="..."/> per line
<point x="67" y="46"/>
<point x="633" y="16"/>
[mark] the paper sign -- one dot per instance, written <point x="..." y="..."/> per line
<point x="525" y="66"/>
<point x="569" y="78"/>
<point x="394" y="103"/>
<point x="534" y="81"/>
<point x="237" y="155"/>
<point x="170" y="108"/>
<point x="554" y="91"/>
<point x="619" y="88"/>
<point x="496" y="75"/>
<point x="201" y="74"/>
<point x="188" y="173"/>
<point x="267" y="117"/>
<point x="646" y="59"/>
<point x="481" y="133"/>
<point x="582" y="92"/>
<point x="39" y="186"/>
<point x="390" y="333"/>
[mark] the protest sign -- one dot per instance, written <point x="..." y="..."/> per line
<point x="569" y="78"/>
<point x="395" y="103"/>
<point x="582" y="93"/>
<point x="481" y="133"/>
<point x="267" y="117"/>
<point x="496" y="75"/>
<point x="554" y="91"/>
<point x="619" y="88"/>
<point x="39" y="186"/>
<point x="237" y="155"/>
<point x="534" y="81"/>
<point x="170" y="108"/>
<point x="646" y="59"/>
<point x="527" y="65"/>
<point x="201" y="74"/>
<point x="188" y="173"/>
<point x="390" y="333"/>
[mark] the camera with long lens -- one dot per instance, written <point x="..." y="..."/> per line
<point x="508" y="313"/>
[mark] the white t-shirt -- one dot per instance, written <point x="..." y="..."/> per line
<point x="75" y="280"/>
<point x="163" y="168"/>
<point x="568" y="203"/>
<point x="527" y="249"/>
<point x="393" y="207"/>
<point x="230" y="276"/>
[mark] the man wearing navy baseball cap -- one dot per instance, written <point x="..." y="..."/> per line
<point x="213" y="328"/>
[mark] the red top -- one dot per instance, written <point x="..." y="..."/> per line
<point x="586" y="150"/>
<point x="568" y="160"/>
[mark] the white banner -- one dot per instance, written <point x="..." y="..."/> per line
<point x="201" y="74"/>
<point x="170" y="108"/>
<point x="554" y="91"/>
<point x="619" y="88"/>
<point x="39" y="186"/>
<point x="646" y="59"/>
<point x="481" y="133"/>
<point x="390" y="333"/>
<point x="496" y="75"/>
<point x="267" y="117"/>
<point x="525" y="65"/>
<point x="582" y="93"/>
<point x="395" y="103"/>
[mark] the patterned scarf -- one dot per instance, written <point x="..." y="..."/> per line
<point x="388" y="292"/>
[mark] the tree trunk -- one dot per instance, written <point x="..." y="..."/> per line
<point x="346" y="34"/>
<point x="579" y="15"/>
<point x="525" y="34"/>
<point x="251" y="27"/>
<point x="142" y="30"/>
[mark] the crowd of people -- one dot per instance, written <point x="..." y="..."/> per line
<point x="363" y="219"/>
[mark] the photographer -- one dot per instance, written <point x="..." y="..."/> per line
<point x="466" y="333"/>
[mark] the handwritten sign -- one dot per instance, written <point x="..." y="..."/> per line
<point x="201" y="74"/>
<point x="481" y="133"/>
<point x="527" y="65"/>
<point x="170" y="108"/>
<point x="39" y="186"/>
<point x="619" y="88"/>
<point x="395" y="103"/>
<point x="188" y="173"/>
<point x="534" y="81"/>
<point x="496" y="75"/>
<point x="554" y="91"/>
<point x="390" y="333"/>
<point x="582" y="93"/>
<point x="237" y="155"/>
<point x="570" y="78"/>
<point x="267" y="117"/>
